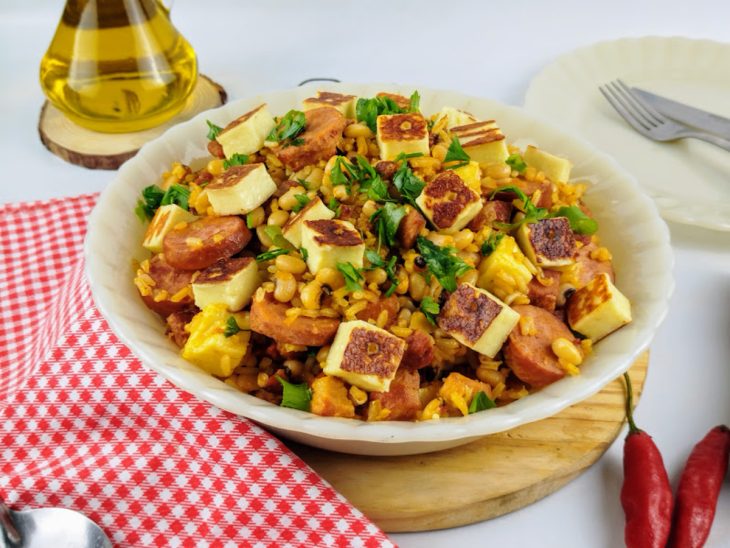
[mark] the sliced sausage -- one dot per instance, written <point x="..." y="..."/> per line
<point x="419" y="351"/>
<point x="373" y="310"/>
<point x="216" y="149"/>
<point x="168" y="281"/>
<point x="545" y="296"/>
<point x="402" y="399"/>
<point x="268" y="317"/>
<point x="203" y="242"/>
<point x="529" y="188"/>
<point x="409" y="228"/>
<point x="319" y="140"/>
<point x="386" y="169"/>
<point x="283" y="187"/>
<point x="531" y="357"/>
<point x="590" y="268"/>
<point x="176" y="323"/>
<point x="496" y="210"/>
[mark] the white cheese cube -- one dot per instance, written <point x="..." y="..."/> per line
<point x="548" y="242"/>
<point x="330" y="241"/>
<point x="483" y="142"/>
<point x="401" y="134"/>
<point x="365" y="356"/>
<point x="556" y="169"/>
<point x="598" y="308"/>
<point x="240" y="189"/>
<point x="166" y="217"/>
<point x="313" y="211"/>
<point x="477" y="319"/>
<point x="449" y="203"/>
<point x="471" y="174"/>
<point x="231" y="282"/>
<point x="455" y="117"/>
<point x="246" y="134"/>
<point x="344" y="103"/>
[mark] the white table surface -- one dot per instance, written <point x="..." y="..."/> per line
<point x="491" y="49"/>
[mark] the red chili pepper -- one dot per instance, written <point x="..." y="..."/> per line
<point x="646" y="495"/>
<point x="699" y="488"/>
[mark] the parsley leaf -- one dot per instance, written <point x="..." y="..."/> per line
<point x="579" y="221"/>
<point x="408" y="184"/>
<point x="430" y="309"/>
<point x="334" y="205"/>
<point x="491" y="243"/>
<point x="442" y="262"/>
<point x="295" y="396"/>
<point x="290" y="125"/>
<point x="378" y="262"/>
<point x="249" y="220"/>
<point x="235" y="160"/>
<point x="297" y="142"/>
<point x="176" y="194"/>
<point x="303" y="182"/>
<point x="213" y="130"/>
<point x="368" y="110"/>
<point x="268" y="255"/>
<point x="148" y="204"/>
<point x="480" y="402"/>
<point x="516" y="162"/>
<point x="231" y="327"/>
<point x="304" y="253"/>
<point x="415" y="101"/>
<point x="337" y="176"/>
<point x="455" y="153"/>
<point x="302" y="200"/>
<point x="352" y="276"/>
<point x="277" y="237"/>
<point x="386" y="221"/>
<point x="532" y="212"/>
<point x="370" y="181"/>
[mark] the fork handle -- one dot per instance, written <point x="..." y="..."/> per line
<point x="717" y="141"/>
<point x="7" y="525"/>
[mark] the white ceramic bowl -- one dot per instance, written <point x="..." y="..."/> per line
<point x="629" y="225"/>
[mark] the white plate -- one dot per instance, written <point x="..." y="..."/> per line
<point x="629" y="225"/>
<point x="689" y="179"/>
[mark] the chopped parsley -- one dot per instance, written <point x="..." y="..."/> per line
<point x="297" y="142"/>
<point x="480" y="402"/>
<point x="268" y="255"/>
<point x="455" y="153"/>
<point x="532" y="212"/>
<point x="491" y="243"/>
<point x="153" y="197"/>
<point x="442" y="262"/>
<point x="235" y="160"/>
<point x="213" y="130"/>
<point x="290" y="125"/>
<point x="249" y="220"/>
<point x="368" y="110"/>
<point x="378" y="262"/>
<point x="302" y="200"/>
<point x="414" y="102"/>
<point x="295" y="396"/>
<point x="407" y="183"/>
<point x="516" y="162"/>
<point x="303" y="251"/>
<point x="303" y="182"/>
<point x="385" y="221"/>
<point x="334" y="205"/>
<point x="360" y="171"/>
<point x="430" y="309"/>
<point x="231" y="328"/>
<point x="276" y="236"/>
<point x="337" y="176"/>
<point x="352" y="276"/>
<point x="579" y="221"/>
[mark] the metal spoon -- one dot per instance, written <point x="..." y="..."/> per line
<point x="44" y="527"/>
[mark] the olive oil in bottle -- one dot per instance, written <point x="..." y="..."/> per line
<point x="118" y="65"/>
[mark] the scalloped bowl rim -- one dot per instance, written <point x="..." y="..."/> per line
<point x="317" y="430"/>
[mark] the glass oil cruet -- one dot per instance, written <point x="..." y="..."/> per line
<point x="118" y="65"/>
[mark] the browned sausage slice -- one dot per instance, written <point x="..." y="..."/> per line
<point x="409" y="228"/>
<point x="402" y="398"/>
<point x="203" y="242"/>
<point x="531" y="357"/>
<point x="419" y="351"/>
<point x="268" y="317"/>
<point x="373" y="310"/>
<point x="216" y="149"/>
<point x="322" y="134"/>
<point x="545" y="296"/>
<point x="176" y="323"/>
<point x="167" y="282"/>
<point x="495" y="210"/>
<point x="590" y="268"/>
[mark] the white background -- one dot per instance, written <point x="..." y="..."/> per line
<point x="490" y="49"/>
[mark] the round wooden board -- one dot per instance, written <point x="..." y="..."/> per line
<point x="486" y="478"/>
<point x="96" y="150"/>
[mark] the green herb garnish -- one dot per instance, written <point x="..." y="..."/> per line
<point x="455" y="153"/>
<point x="235" y="160"/>
<point x="579" y="221"/>
<point x="176" y="194"/>
<point x="153" y="197"/>
<point x="480" y="402"/>
<point x="295" y="396"/>
<point x="290" y="125"/>
<point x="302" y="200"/>
<point x="389" y="266"/>
<point x="231" y="327"/>
<point x="430" y="309"/>
<point x="352" y="276"/>
<point x="368" y="110"/>
<point x="268" y="255"/>
<point x="414" y="103"/>
<point x="337" y="176"/>
<point x="516" y="162"/>
<point x="277" y="237"/>
<point x="334" y="205"/>
<point x="532" y="212"/>
<point x="386" y="221"/>
<point x="442" y="262"/>
<point x="491" y="243"/>
<point x="297" y="142"/>
<point x="303" y="251"/>
<point x="303" y="182"/>
<point x="249" y="220"/>
<point x="213" y="130"/>
<point x="407" y="183"/>
<point x="360" y="171"/>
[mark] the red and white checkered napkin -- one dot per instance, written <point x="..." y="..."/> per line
<point x="85" y="426"/>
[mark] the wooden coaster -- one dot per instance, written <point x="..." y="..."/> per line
<point x="486" y="478"/>
<point x="96" y="150"/>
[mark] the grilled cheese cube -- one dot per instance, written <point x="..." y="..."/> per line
<point x="240" y="189"/>
<point x="477" y="319"/>
<point x="166" y="217"/>
<point x="209" y="348"/>
<point x="313" y="211"/>
<point x="598" y="308"/>
<point x="401" y="134"/>
<point x="556" y="169"/>
<point x="483" y="142"/>
<point x="506" y="270"/>
<point x="548" y="242"/>
<point x="344" y="103"/>
<point x="331" y="241"/>
<point x="471" y="174"/>
<point x="455" y="117"/>
<point x="402" y="101"/>
<point x="449" y="203"/>
<point x="230" y="282"/>
<point x="365" y="356"/>
<point x="246" y="134"/>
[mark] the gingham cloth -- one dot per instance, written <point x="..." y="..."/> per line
<point x="85" y="426"/>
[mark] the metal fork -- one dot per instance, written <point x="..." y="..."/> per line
<point x="647" y="121"/>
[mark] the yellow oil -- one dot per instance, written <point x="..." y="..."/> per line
<point x="118" y="65"/>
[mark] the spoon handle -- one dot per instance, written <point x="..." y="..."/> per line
<point x="7" y="525"/>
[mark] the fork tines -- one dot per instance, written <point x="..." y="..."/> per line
<point x="635" y="111"/>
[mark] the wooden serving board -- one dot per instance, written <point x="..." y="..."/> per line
<point x="96" y="150"/>
<point x="486" y="478"/>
